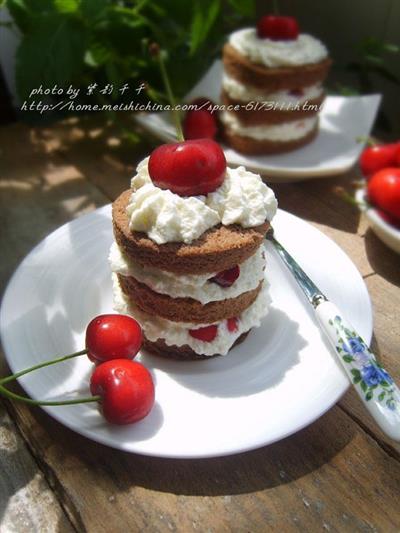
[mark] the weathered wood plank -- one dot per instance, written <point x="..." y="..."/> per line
<point x="329" y="476"/>
<point x="38" y="193"/>
<point x="27" y="504"/>
<point x="317" y="202"/>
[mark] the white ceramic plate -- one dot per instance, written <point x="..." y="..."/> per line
<point x="388" y="234"/>
<point x="334" y="151"/>
<point x="280" y="379"/>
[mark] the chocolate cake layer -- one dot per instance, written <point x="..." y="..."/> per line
<point x="219" y="248"/>
<point x="260" y="115"/>
<point x="185" y="309"/>
<point x="272" y="79"/>
<point x="182" y="353"/>
<point x="247" y="145"/>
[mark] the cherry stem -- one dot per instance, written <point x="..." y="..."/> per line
<point x="175" y="113"/>
<point x="12" y="396"/>
<point x="12" y="377"/>
<point x="348" y="197"/>
<point x="368" y="141"/>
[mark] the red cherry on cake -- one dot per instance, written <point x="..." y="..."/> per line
<point x="206" y="334"/>
<point x="232" y="324"/>
<point x="113" y="337"/>
<point x="199" y="124"/>
<point x="188" y="168"/>
<point x="278" y="28"/>
<point x="226" y="278"/>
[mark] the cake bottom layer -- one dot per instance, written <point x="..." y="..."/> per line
<point x="182" y="353"/>
<point x="251" y="146"/>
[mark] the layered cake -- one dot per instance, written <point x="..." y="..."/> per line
<point x="273" y="83"/>
<point x="190" y="267"/>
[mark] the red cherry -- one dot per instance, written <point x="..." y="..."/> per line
<point x="232" y="324"/>
<point x="226" y="278"/>
<point x="126" y="388"/>
<point x="377" y="157"/>
<point x="384" y="191"/>
<point x="278" y="28"/>
<point x="199" y="124"/>
<point x="206" y="334"/>
<point x="395" y="222"/>
<point x="113" y="337"/>
<point x="397" y="155"/>
<point x="188" y="168"/>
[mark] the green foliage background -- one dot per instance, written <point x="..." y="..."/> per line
<point x="84" y="41"/>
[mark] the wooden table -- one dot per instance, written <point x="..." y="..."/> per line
<point x="339" y="474"/>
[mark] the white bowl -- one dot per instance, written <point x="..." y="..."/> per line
<point x="385" y="231"/>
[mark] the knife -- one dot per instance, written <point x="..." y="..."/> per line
<point x="374" y="385"/>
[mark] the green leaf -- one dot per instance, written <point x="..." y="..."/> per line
<point x="355" y="372"/>
<point x="20" y="14"/>
<point x="356" y="379"/>
<point x="50" y="54"/>
<point x="382" y="395"/>
<point x="363" y="386"/>
<point x="204" y="16"/>
<point x="369" y="395"/>
<point x="97" y="55"/>
<point x="246" y="8"/>
<point x="67" y="6"/>
<point x="93" y="9"/>
<point x="391" y="48"/>
<point x="348" y="358"/>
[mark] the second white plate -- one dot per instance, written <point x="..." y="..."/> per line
<point x="343" y="120"/>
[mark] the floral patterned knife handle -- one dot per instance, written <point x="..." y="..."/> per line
<point x="376" y="388"/>
<point x="374" y="385"/>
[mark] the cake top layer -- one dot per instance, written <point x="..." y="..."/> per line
<point x="243" y="199"/>
<point x="304" y="50"/>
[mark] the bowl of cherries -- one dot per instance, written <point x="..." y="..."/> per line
<point x="379" y="199"/>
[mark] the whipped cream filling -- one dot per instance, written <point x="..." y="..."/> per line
<point x="197" y="287"/>
<point x="243" y="198"/>
<point x="177" y="333"/>
<point x="247" y="93"/>
<point x="301" y="51"/>
<point x="285" y="131"/>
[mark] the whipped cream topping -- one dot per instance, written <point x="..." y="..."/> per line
<point x="243" y="198"/>
<point x="163" y="215"/>
<point x="177" y="333"/>
<point x="197" y="287"/>
<point x="301" y="51"/>
<point x="247" y="93"/>
<point x="285" y="131"/>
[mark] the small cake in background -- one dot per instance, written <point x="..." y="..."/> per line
<point x="274" y="74"/>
